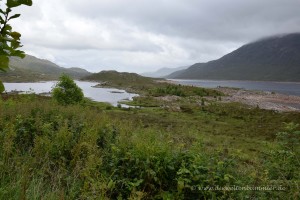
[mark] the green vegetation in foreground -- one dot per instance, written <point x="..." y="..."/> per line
<point x="94" y="151"/>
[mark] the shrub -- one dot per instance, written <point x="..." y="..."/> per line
<point x="25" y="133"/>
<point x="282" y="160"/>
<point x="289" y="139"/>
<point x="67" y="92"/>
<point x="183" y="91"/>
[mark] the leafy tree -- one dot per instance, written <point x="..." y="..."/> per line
<point x="9" y="39"/>
<point x="67" y="92"/>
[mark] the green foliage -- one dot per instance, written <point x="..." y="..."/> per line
<point x="282" y="159"/>
<point x="1" y="87"/>
<point x="169" y="90"/>
<point x="15" y="3"/>
<point x="67" y="92"/>
<point x="290" y="138"/>
<point x="182" y="91"/>
<point x="85" y="151"/>
<point x="25" y="132"/>
<point x="144" y="101"/>
<point x="9" y="39"/>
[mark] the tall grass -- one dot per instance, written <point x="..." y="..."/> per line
<point x="49" y="151"/>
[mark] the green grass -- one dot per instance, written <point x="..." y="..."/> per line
<point x="95" y="151"/>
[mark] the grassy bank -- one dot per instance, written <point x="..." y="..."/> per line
<point x="95" y="151"/>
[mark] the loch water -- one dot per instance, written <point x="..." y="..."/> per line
<point x="289" y="88"/>
<point x="109" y="95"/>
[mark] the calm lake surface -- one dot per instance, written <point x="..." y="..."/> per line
<point x="110" y="95"/>
<point x="290" y="88"/>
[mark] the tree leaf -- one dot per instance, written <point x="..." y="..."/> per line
<point x="26" y="2"/>
<point x="7" y="28"/>
<point x="18" y="53"/>
<point x="1" y="11"/>
<point x="15" y="3"/>
<point x="8" y="10"/>
<point x="1" y="87"/>
<point x="4" y="61"/>
<point x="14" y="16"/>
<point x="14" y="45"/>
<point x="1" y="20"/>
<point x="15" y="35"/>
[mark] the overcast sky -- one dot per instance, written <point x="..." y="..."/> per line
<point x="145" y="35"/>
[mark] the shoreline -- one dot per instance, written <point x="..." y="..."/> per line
<point x="214" y="80"/>
<point x="262" y="99"/>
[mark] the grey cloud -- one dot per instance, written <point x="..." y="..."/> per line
<point x="225" y="19"/>
<point x="134" y="35"/>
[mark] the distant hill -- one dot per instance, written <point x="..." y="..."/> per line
<point x="123" y="80"/>
<point x="34" y="69"/>
<point x="81" y="71"/>
<point x="118" y="78"/>
<point x="163" y="72"/>
<point x="271" y="59"/>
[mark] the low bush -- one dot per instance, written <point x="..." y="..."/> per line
<point x="183" y="91"/>
<point x="67" y="92"/>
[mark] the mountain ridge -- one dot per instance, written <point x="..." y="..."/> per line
<point x="162" y="72"/>
<point x="32" y="68"/>
<point x="275" y="58"/>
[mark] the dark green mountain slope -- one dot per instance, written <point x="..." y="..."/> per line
<point x="272" y="59"/>
<point x="34" y="69"/>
